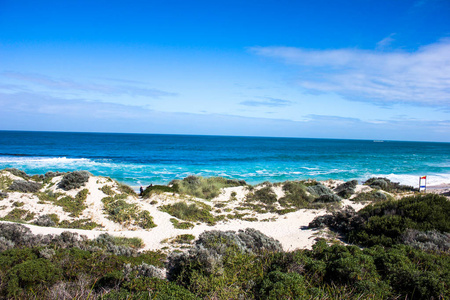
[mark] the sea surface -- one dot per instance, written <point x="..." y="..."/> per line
<point x="152" y="158"/>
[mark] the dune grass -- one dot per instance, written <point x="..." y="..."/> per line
<point x="202" y="187"/>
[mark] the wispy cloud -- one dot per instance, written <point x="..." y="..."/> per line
<point x="419" y="78"/>
<point x="70" y="85"/>
<point x="386" y="42"/>
<point x="267" y="102"/>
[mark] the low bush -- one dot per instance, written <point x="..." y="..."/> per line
<point x="5" y="182"/>
<point x="183" y="239"/>
<point x="18" y="215"/>
<point x="181" y="225"/>
<point x="327" y="198"/>
<point x="86" y="224"/>
<point x="387" y="185"/>
<point x="46" y="220"/>
<point x="3" y="195"/>
<point x="295" y="195"/>
<point x="201" y="187"/>
<point x="74" y="206"/>
<point x="26" y="275"/>
<point x="195" y="212"/>
<point x="74" y="180"/>
<point x="372" y="196"/>
<point x="126" y="213"/>
<point x="18" y="173"/>
<point x="157" y="189"/>
<point x="386" y="222"/>
<point x="279" y="285"/>
<point x="222" y="265"/>
<point x="346" y="189"/>
<point x="319" y="190"/>
<point x="107" y="190"/>
<point x="125" y="189"/>
<point x="343" y="221"/>
<point x="25" y="186"/>
<point x="427" y="240"/>
<point x="264" y="195"/>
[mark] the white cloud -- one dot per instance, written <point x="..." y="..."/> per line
<point x="268" y="102"/>
<point x="386" y="42"/>
<point x="70" y="85"/>
<point x="419" y="78"/>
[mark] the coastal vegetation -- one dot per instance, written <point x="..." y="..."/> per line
<point x="201" y="187"/>
<point x="74" y="180"/>
<point x="120" y="211"/>
<point x="220" y="265"/>
<point x="194" y="212"/>
<point x="396" y="247"/>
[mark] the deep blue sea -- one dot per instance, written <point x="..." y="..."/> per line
<point x="151" y="158"/>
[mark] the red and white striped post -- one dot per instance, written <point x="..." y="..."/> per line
<point x="424" y="186"/>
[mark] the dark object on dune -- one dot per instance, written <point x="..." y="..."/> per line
<point x="25" y="186"/>
<point x="346" y="189"/>
<point x="74" y="180"/>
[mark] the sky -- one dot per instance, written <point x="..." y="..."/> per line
<point x="316" y="69"/>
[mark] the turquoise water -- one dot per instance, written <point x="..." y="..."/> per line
<point x="148" y="158"/>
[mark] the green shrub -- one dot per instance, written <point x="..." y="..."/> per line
<point x="264" y="195"/>
<point x="319" y="190"/>
<point x="143" y="288"/>
<point x="295" y="195"/>
<point x="125" y="189"/>
<point x="195" y="212"/>
<point x="183" y="239"/>
<point x="157" y="189"/>
<point x="48" y="195"/>
<point x="346" y="189"/>
<point x="74" y="180"/>
<point x="201" y="187"/>
<point x="18" y="214"/>
<point x="387" y="221"/>
<point x="47" y="220"/>
<point x="181" y="225"/>
<point x="30" y="273"/>
<point x="387" y="185"/>
<point x="18" y="173"/>
<point x="372" y="196"/>
<point x="25" y="186"/>
<point x="278" y="285"/>
<point x="135" y="243"/>
<point x="74" y="206"/>
<point x="126" y="213"/>
<point x="5" y="182"/>
<point x="86" y="224"/>
<point x="107" y="190"/>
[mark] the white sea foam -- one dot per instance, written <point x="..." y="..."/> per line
<point x="31" y="159"/>
<point x="413" y="180"/>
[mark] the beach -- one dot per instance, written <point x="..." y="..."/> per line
<point x="227" y="210"/>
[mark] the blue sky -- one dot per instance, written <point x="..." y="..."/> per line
<point x="327" y="69"/>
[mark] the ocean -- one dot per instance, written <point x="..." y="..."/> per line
<point x="137" y="159"/>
